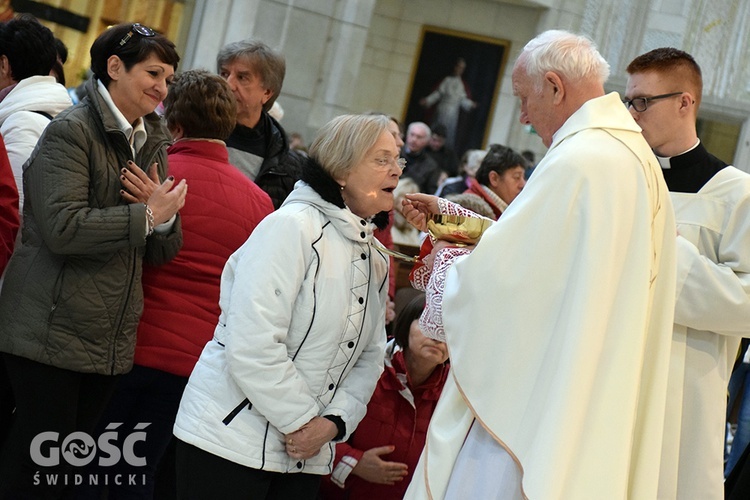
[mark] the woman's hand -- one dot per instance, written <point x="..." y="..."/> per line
<point x="417" y="206"/>
<point x="306" y="442"/>
<point x="137" y="187"/>
<point x="164" y="199"/>
<point x="167" y="200"/>
<point x="374" y="469"/>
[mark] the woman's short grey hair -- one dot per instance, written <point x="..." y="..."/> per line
<point x="343" y="142"/>
<point x="474" y="159"/>
<point x="573" y="56"/>
<point x="268" y="65"/>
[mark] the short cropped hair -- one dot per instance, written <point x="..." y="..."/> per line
<point x="136" y="49"/>
<point x="268" y="64"/>
<point x="440" y="130"/>
<point x="573" y="56"/>
<point x="471" y="160"/>
<point x="426" y="128"/>
<point x="202" y="104"/>
<point x="29" y="47"/>
<point x="342" y="143"/>
<point x="678" y="64"/>
<point x="498" y="159"/>
<point x="411" y="311"/>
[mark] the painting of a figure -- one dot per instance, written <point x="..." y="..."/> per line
<point x="455" y="83"/>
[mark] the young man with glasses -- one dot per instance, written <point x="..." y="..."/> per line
<point x="712" y="311"/>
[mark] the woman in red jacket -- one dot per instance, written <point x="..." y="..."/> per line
<point x="378" y="460"/>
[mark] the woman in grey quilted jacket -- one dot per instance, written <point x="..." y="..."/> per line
<point x="72" y="295"/>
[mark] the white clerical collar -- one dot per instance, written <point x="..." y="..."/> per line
<point x="664" y="160"/>
<point x="136" y="135"/>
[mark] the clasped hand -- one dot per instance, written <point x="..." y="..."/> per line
<point x="307" y="441"/>
<point x="165" y="199"/>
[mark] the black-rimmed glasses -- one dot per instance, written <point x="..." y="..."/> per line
<point x="139" y="29"/>
<point x="640" y="104"/>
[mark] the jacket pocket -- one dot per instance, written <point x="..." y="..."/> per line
<point x="56" y="293"/>
<point x="232" y="414"/>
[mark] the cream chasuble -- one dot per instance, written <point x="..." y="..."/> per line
<point x="559" y="323"/>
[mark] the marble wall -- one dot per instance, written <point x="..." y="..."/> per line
<point x="356" y="55"/>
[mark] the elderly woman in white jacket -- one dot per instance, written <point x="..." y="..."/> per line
<point x="299" y="345"/>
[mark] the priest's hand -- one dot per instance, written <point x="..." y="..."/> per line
<point x="416" y="207"/>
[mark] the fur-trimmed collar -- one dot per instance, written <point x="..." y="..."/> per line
<point x="330" y="190"/>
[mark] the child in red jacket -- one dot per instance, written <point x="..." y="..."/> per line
<point x="378" y="460"/>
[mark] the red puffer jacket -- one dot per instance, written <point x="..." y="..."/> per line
<point x="8" y="208"/>
<point x="181" y="298"/>
<point x="391" y="419"/>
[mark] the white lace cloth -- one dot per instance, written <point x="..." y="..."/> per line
<point x="431" y="280"/>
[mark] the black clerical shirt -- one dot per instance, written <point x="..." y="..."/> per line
<point x="691" y="170"/>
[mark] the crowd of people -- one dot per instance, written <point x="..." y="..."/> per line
<point x="195" y="304"/>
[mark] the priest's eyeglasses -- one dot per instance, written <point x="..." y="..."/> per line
<point x="139" y="29"/>
<point x="640" y="104"/>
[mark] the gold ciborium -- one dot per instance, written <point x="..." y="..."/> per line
<point x="457" y="229"/>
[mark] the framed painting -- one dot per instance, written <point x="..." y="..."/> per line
<point x="455" y="83"/>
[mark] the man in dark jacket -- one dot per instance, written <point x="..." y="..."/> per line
<point x="420" y="166"/>
<point x="258" y="145"/>
<point x="443" y="155"/>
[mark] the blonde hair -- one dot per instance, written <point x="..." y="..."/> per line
<point x="343" y="142"/>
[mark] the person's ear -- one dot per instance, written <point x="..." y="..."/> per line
<point x="494" y="178"/>
<point x="687" y="100"/>
<point x="4" y="66"/>
<point x="177" y="132"/>
<point x="115" y="67"/>
<point x="267" y="94"/>
<point x="555" y="83"/>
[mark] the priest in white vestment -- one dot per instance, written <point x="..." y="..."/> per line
<point x="712" y="208"/>
<point x="559" y="322"/>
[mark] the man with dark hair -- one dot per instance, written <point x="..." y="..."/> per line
<point x="712" y="310"/>
<point x="258" y="145"/>
<point x="444" y="155"/>
<point x="29" y="96"/>
<point x="62" y="56"/>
